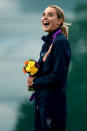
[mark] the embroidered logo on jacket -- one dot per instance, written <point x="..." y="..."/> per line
<point x="48" y="122"/>
<point x="43" y="54"/>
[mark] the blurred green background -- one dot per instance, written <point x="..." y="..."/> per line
<point x="20" y="39"/>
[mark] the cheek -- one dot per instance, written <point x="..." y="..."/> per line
<point x="41" y="20"/>
<point x="53" y="23"/>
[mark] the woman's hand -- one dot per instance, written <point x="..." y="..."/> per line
<point x="30" y="81"/>
<point x="45" y="57"/>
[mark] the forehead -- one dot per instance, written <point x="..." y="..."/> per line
<point x="50" y="9"/>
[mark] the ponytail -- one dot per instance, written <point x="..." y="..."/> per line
<point x="64" y="29"/>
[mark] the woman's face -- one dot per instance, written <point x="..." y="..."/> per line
<point x="50" y="20"/>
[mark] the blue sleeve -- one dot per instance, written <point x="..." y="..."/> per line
<point x="60" y="62"/>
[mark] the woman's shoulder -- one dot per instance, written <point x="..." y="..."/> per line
<point x="61" y="42"/>
<point x="60" y="39"/>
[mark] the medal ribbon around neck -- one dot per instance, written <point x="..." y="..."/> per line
<point x="55" y="35"/>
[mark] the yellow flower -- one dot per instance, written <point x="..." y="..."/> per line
<point x="33" y="71"/>
<point x="31" y="68"/>
<point x="31" y="64"/>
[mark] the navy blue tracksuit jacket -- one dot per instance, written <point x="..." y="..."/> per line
<point x="51" y="83"/>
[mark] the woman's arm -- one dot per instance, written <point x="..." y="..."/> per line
<point x="59" y="72"/>
<point x="30" y="79"/>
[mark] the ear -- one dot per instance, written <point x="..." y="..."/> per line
<point x="60" y="21"/>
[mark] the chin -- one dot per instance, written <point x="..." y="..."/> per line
<point x="46" y="30"/>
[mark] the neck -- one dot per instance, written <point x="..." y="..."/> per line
<point x="53" y="31"/>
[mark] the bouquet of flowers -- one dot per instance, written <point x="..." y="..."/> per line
<point x="31" y="67"/>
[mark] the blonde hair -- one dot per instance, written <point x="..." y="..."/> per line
<point x="60" y="14"/>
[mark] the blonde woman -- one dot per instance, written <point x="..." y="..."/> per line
<point x="50" y="85"/>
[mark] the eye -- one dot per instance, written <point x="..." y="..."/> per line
<point x="50" y="14"/>
<point x="43" y="14"/>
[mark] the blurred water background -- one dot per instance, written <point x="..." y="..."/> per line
<point x="20" y="39"/>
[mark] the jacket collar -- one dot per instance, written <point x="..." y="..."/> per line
<point x="48" y="38"/>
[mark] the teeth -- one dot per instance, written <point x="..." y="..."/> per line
<point x="46" y="23"/>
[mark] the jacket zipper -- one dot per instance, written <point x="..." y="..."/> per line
<point x="37" y="107"/>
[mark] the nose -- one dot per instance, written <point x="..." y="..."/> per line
<point x="45" y="17"/>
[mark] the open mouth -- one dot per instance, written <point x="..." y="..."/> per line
<point x="46" y="23"/>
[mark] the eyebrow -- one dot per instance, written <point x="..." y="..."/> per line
<point x="48" y="12"/>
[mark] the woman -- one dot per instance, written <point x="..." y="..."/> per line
<point x="50" y="85"/>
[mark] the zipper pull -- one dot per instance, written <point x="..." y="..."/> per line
<point x="37" y="107"/>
